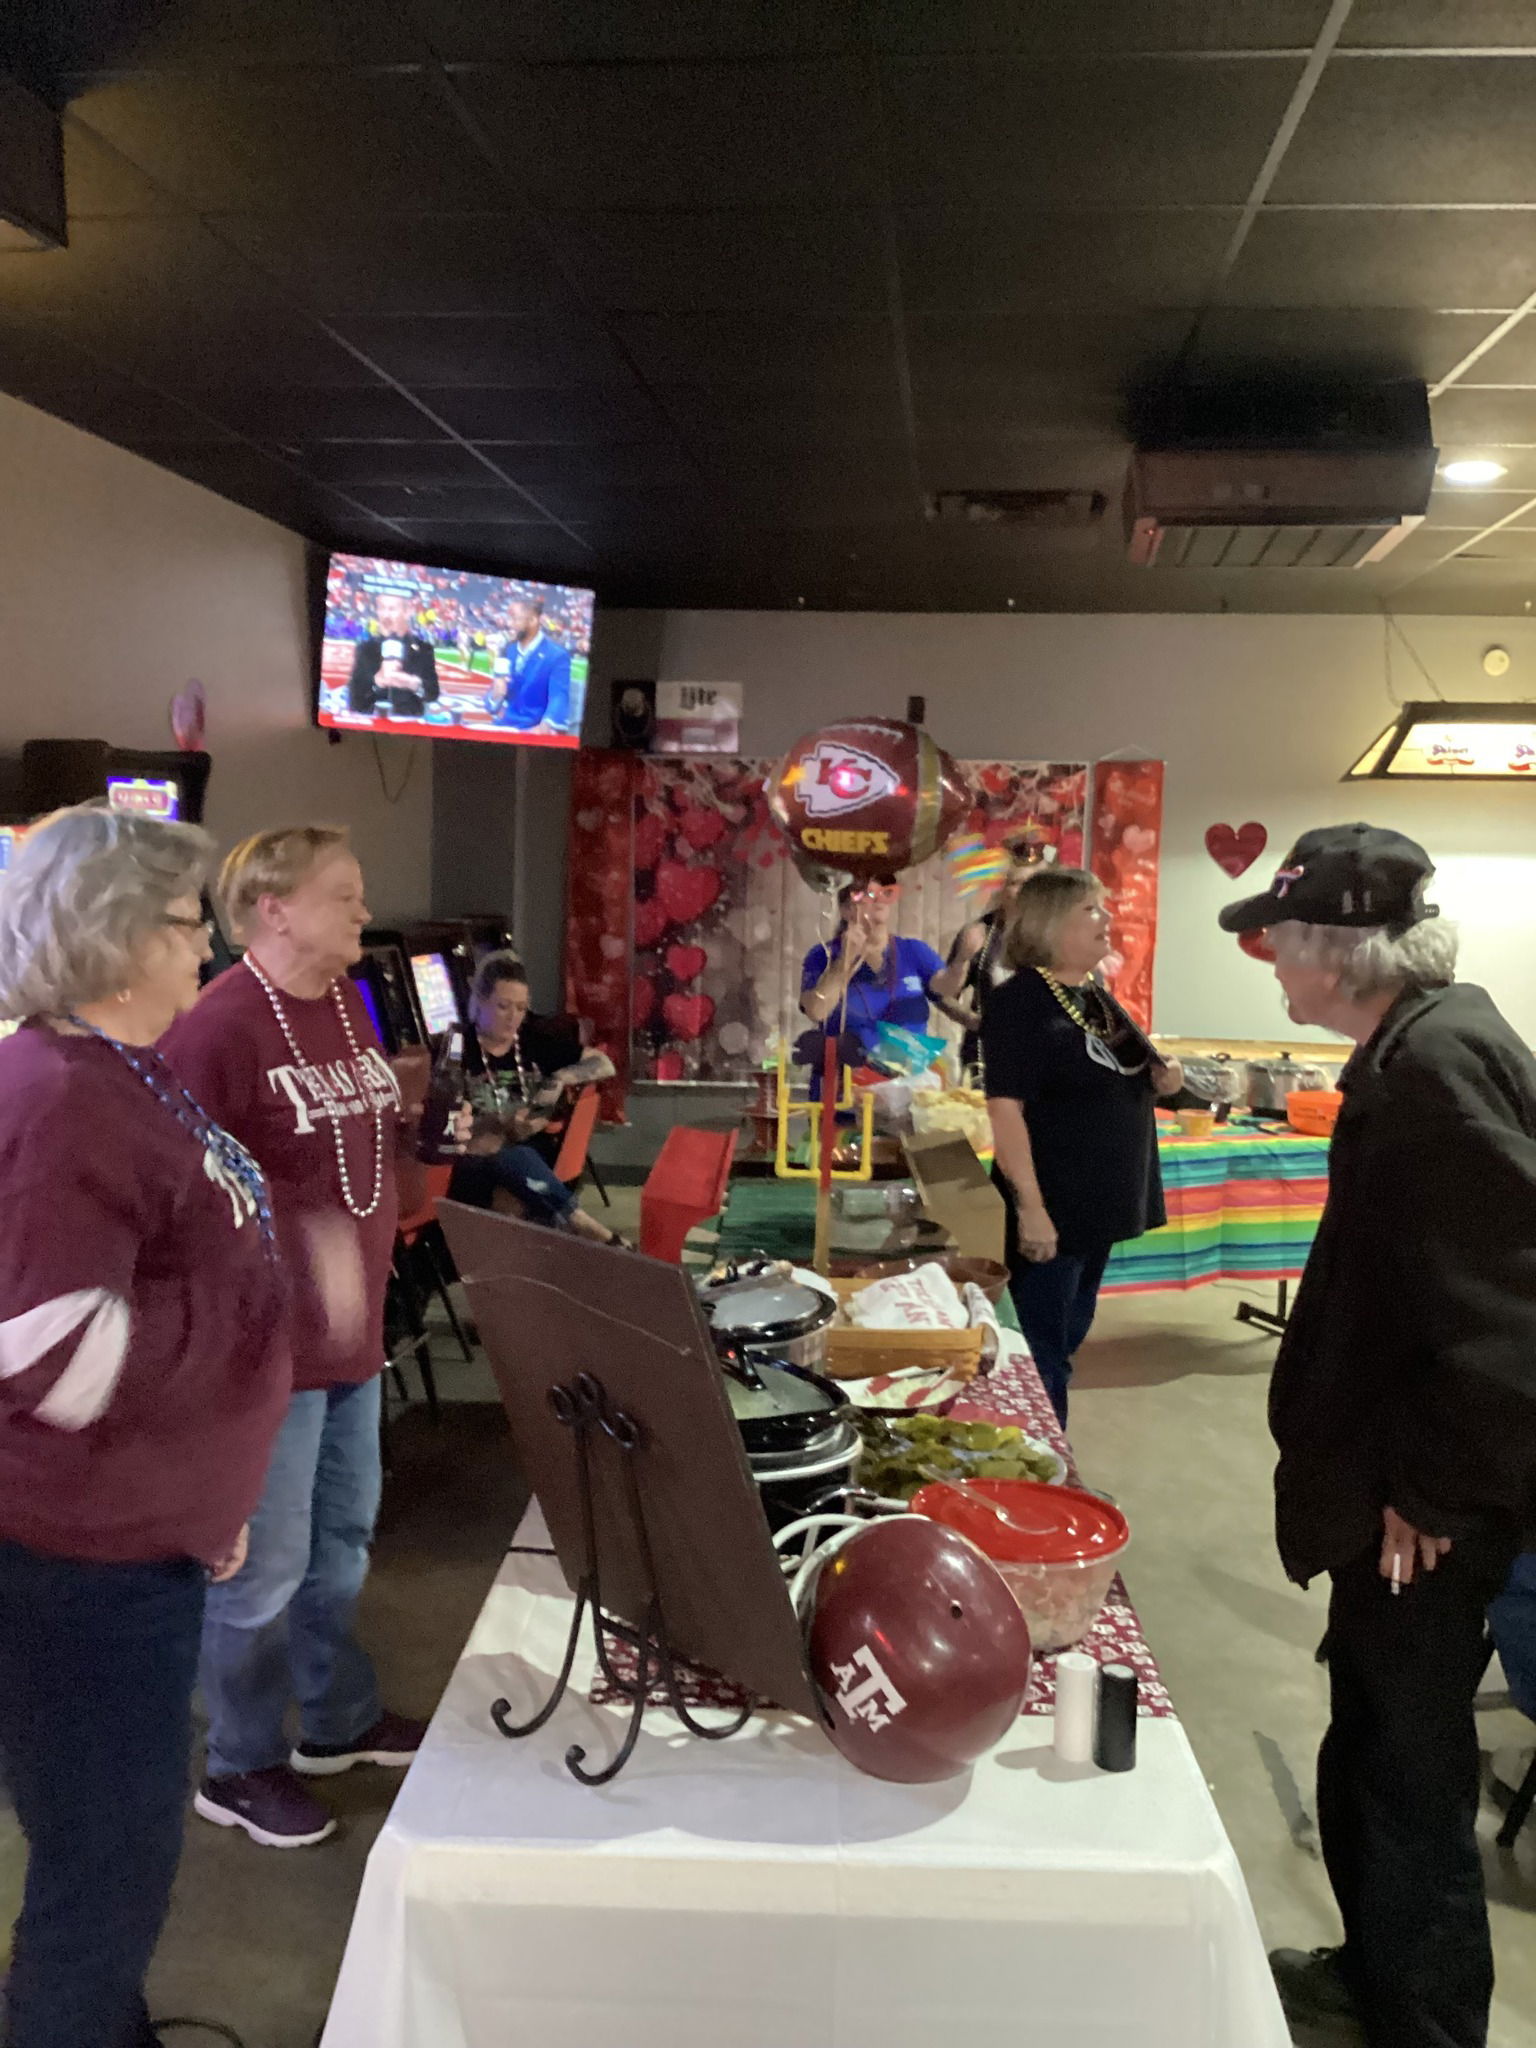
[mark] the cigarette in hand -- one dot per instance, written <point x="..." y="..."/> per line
<point x="1397" y="1573"/>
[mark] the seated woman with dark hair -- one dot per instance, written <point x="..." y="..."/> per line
<point x="527" y="1066"/>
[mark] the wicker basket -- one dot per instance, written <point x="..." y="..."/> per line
<point x="854" y="1354"/>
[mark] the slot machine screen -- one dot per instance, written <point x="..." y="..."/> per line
<point x="151" y="796"/>
<point x="371" y="1005"/>
<point x="384" y="973"/>
<point x="434" y="991"/>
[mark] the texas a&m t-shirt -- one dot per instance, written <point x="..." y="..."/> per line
<point x="233" y="1057"/>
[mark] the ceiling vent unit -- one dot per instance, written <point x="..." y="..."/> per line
<point x="1017" y="508"/>
<point x="1248" y="479"/>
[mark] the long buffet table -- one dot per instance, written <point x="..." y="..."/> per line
<point x="762" y="1893"/>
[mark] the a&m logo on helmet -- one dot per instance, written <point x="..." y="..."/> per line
<point x="841" y="778"/>
<point x="864" y="1692"/>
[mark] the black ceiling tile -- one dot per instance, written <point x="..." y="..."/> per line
<point x="1402" y="130"/>
<point x="787" y="415"/>
<point x="251" y="141"/>
<point x="1378" y="342"/>
<point x="1009" y="260"/>
<point x="386" y="462"/>
<point x="38" y="365"/>
<point x="727" y="261"/>
<point x="271" y="32"/>
<point x="1442" y="24"/>
<point x="684" y="135"/>
<point x="979" y="134"/>
<point x="1471" y="510"/>
<point x="774" y="350"/>
<point x="280" y="415"/>
<point x="1374" y="257"/>
<point x="1512" y="360"/>
<point x="343" y="264"/>
<point x="508" y="350"/>
<point x="991" y="463"/>
<point x="997" y="349"/>
<point x="542" y="414"/>
<point x="1111" y="27"/>
<point x="635" y="466"/>
<point x="100" y="185"/>
<point x="1486" y="419"/>
<point x="244" y="474"/>
<point x="1029" y="409"/>
<point x="639" y="31"/>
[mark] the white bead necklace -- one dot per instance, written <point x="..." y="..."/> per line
<point x="286" y="1028"/>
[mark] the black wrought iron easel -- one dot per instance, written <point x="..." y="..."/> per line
<point x="598" y="1426"/>
<point x="1272" y="1319"/>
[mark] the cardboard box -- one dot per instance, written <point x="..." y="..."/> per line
<point x="958" y="1193"/>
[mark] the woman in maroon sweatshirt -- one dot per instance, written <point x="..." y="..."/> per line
<point x="281" y="1050"/>
<point x="142" y="1381"/>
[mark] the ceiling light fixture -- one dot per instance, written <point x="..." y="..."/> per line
<point x="1441" y="742"/>
<point x="1475" y="470"/>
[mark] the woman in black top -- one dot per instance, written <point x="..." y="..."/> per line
<point x="975" y="966"/>
<point x="1070" y="1087"/>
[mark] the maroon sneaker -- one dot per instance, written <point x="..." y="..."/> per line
<point x="271" y="1805"/>
<point x="392" y="1741"/>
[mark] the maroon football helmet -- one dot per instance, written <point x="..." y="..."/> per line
<point x="919" y="1649"/>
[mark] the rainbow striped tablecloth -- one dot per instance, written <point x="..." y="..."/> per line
<point x="1242" y="1205"/>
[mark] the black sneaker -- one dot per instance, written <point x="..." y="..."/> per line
<point x="1314" y="1988"/>
<point x="392" y="1741"/>
<point x="273" y="1806"/>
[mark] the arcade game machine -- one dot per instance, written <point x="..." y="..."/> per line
<point x="443" y="966"/>
<point x="388" y="989"/>
<point x="169" y="783"/>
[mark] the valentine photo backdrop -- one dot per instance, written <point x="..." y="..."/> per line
<point x="688" y="921"/>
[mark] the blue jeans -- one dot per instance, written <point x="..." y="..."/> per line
<point x="97" y="1664"/>
<point x="1512" y="1617"/>
<point x="281" y="1629"/>
<point x="1056" y="1302"/>
<point x="522" y="1172"/>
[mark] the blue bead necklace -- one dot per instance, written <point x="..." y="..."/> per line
<point x="231" y="1155"/>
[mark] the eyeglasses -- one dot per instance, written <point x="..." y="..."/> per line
<point x="190" y="924"/>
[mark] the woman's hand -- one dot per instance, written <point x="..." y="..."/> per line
<point x="229" y="1565"/>
<point x="1037" y="1233"/>
<point x="1167" y="1077"/>
<point x="1404" y="1548"/>
<point x="971" y="941"/>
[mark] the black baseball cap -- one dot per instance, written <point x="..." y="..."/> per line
<point x="1343" y="874"/>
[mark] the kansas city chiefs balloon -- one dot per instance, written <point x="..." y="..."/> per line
<point x="868" y="797"/>
<point x="919" y="1649"/>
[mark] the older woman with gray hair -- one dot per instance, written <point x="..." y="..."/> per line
<point x="1404" y="1406"/>
<point x="140" y="1389"/>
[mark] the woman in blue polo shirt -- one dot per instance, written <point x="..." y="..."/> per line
<point x="869" y="976"/>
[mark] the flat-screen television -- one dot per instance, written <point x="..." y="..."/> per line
<point x="449" y="654"/>
<point x="435" y="991"/>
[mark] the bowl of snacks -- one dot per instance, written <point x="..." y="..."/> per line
<point x="1057" y="1548"/>
<point x="905" y="1452"/>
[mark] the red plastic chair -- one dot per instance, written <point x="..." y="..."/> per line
<point x="422" y="1268"/>
<point x="571" y="1160"/>
<point x="684" y="1188"/>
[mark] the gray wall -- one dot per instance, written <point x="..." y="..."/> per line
<point x="498" y="844"/>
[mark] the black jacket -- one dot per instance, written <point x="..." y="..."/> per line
<point x="416" y="661"/>
<point x="1407" y="1377"/>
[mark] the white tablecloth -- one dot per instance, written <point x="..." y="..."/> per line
<point x="761" y="1893"/>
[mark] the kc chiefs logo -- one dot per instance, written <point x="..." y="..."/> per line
<point x="838" y="779"/>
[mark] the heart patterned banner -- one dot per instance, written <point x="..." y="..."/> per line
<point x="719" y="920"/>
<point x="1127" y="843"/>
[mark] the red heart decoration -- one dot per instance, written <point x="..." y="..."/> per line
<point x="1256" y="945"/>
<point x="703" y="828"/>
<point x="686" y="893"/>
<point x="669" y="1066"/>
<point x="688" y="1017"/>
<point x="686" y="963"/>
<point x="1235" y="852"/>
<point x="650" y="840"/>
<point x="642" y="1003"/>
<point x="650" y="925"/>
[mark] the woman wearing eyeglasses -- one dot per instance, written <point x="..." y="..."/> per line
<point x="869" y="975"/>
<point x="1071" y="1083"/>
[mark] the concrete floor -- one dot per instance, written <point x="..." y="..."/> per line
<point x="1168" y="1416"/>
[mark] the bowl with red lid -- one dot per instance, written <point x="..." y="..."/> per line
<point x="1058" y="1549"/>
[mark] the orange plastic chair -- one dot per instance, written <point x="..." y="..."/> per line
<point x="685" y="1187"/>
<point x="571" y="1160"/>
<point x="422" y="1268"/>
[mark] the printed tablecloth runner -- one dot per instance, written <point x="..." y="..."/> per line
<point x="1012" y="1393"/>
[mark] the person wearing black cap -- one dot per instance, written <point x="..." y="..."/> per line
<point x="1404" y="1406"/>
